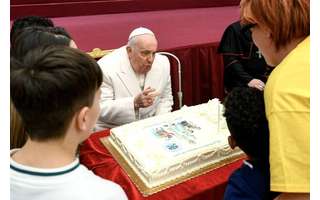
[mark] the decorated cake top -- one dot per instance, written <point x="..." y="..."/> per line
<point x="174" y="136"/>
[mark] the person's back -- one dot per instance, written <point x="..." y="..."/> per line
<point x="248" y="182"/>
<point x="245" y="116"/>
<point x="73" y="181"/>
<point x="56" y="91"/>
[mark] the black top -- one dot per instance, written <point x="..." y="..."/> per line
<point x="242" y="60"/>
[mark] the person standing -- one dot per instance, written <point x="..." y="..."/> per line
<point x="281" y="30"/>
<point x="244" y="65"/>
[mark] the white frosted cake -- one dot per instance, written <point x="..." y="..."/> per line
<point x="163" y="148"/>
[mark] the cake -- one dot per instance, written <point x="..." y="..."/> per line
<point x="164" y="148"/>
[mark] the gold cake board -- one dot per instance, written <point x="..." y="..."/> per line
<point x="144" y="189"/>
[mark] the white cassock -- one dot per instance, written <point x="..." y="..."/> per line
<point x="120" y="86"/>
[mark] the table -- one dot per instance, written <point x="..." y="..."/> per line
<point x="208" y="186"/>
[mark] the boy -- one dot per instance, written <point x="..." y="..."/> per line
<point x="245" y="116"/>
<point x="56" y="91"/>
<point x="28" y="21"/>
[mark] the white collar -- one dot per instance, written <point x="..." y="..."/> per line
<point x="248" y="164"/>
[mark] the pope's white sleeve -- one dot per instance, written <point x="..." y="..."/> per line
<point x="114" y="111"/>
<point x="166" y="99"/>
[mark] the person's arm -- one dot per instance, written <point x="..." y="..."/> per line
<point x="238" y="73"/>
<point x="115" y="111"/>
<point x="239" y="189"/>
<point x="166" y="99"/>
<point x="234" y="68"/>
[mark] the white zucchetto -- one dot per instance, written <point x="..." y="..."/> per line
<point x="140" y="31"/>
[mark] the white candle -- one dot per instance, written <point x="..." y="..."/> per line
<point x="218" y="127"/>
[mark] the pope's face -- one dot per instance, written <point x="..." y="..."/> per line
<point x="142" y="53"/>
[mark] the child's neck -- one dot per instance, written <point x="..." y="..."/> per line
<point x="48" y="154"/>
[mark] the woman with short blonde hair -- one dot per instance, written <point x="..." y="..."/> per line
<point x="281" y="29"/>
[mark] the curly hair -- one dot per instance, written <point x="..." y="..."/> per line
<point x="246" y="120"/>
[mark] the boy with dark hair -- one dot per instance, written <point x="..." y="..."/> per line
<point x="28" y="21"/>
<point x="34" y="37"/>
<point x="246" y="120"/>
<point x="31" y="38"/>
<point x="56" y="91"/>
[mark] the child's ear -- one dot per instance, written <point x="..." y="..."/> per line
<point x="232" y="142"/>
<point x="82" y="118"/>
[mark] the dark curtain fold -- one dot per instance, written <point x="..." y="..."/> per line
<point x="202" y="74"/>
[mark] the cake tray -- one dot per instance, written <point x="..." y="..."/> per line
<point x="133" y="172"/>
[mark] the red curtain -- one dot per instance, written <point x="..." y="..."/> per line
<point x="202" y="74"/>
<point x="63" y="8"/>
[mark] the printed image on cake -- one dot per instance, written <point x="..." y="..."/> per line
<point x="170" y="147"/>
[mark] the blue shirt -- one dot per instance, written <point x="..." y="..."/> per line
<point x="249" y="182"/>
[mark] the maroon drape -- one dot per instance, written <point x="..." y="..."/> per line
<point x="208" y="186"/>
<point x="191" y="34"/>
<point x="63" y="8"/>
<point x="202" y="74"/>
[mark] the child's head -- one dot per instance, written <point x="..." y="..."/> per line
<point x="33" y="37"/>
<point x="55" y="89"/>
<point x="246" y="120"/>
<point x="59" y="31"/>
<point x="28" y="21"/>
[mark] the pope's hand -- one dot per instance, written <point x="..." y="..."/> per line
<point x="145" y="98"/>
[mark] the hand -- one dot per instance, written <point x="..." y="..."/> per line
<point x="145" y="98"/>
<point x="256" y="83"/>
